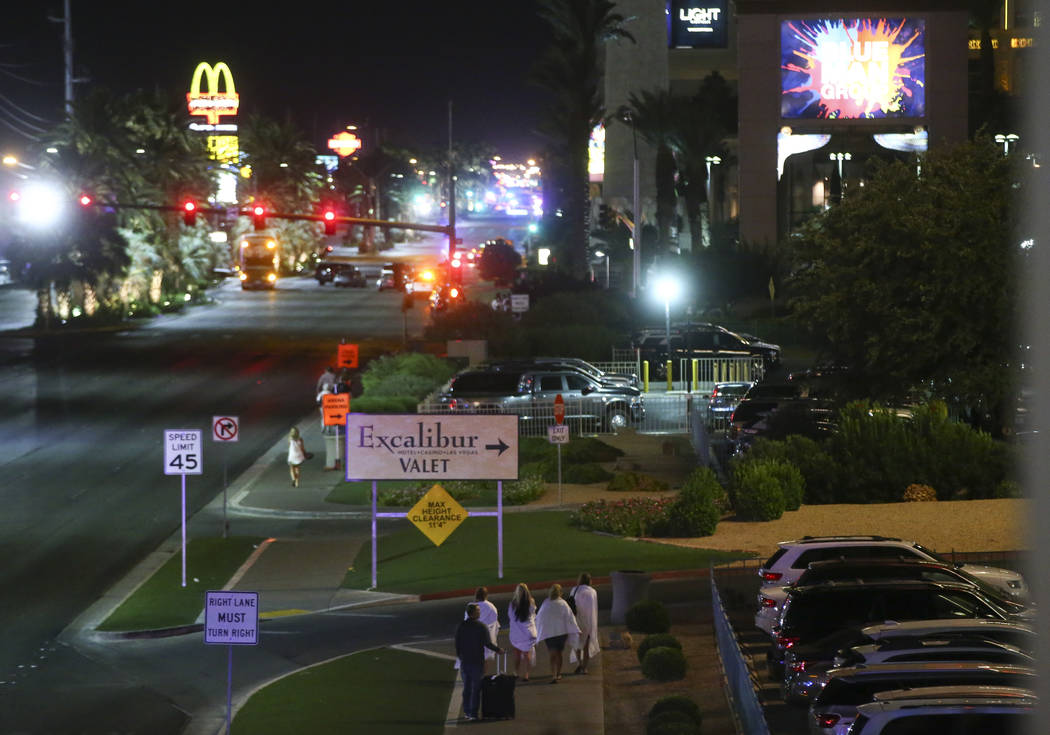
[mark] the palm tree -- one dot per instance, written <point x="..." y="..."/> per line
<point x="286" y="177"/>
<point x="654" y="118"/>
<point x="570" y="70"/>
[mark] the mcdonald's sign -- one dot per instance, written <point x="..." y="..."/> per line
<point x="212" y="103"/>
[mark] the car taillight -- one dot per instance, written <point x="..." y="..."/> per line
<point x="826" y="719"/>
<point x="768" y="602"/>
<point x="798" y="666"/>
<point x="786" y="641"/>
<point x="771" y="576"/>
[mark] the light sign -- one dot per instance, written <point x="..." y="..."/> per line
<point x="697" y="24"/>
<point x="224" y="148"/>
<point x="345" y="143"/>
<point x="596" y="153"/>
<point x="853" y="68"/>
<point x="212" y="103"/>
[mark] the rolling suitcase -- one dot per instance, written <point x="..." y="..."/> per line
<point x="497" y="693"/>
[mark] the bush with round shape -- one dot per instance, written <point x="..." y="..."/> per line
<point x="648" y="616"/>
<point x="677" y="703"/>
<point x="672" y="723"/>
<point x="759" y="496"/>
<point x="695" y="512"/>
<point x="664" y="664"/>
<point x="657" y="640"/>
<point x="792" y="484"/>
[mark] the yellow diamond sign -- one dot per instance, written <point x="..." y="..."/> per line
<point x="437" y="514"/>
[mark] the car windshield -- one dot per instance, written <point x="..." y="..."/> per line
<point x="502" y="383"/>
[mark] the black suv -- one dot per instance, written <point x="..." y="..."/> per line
<point x="812" y="613"/>
<point x="697" y="340"/>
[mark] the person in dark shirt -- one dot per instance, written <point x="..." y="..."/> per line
<point x="472" y="638"/>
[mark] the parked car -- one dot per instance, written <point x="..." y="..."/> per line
<point x="792" y="558"/>
<point x="570" y="363"/>
<point x="1015" y="633"/>
<point x="723" y="401"/>
<point x="530" y="394"/>
<point x="698" y="340"/>
<point x="810" y="614"/>
<point x="814" y="418"/>
<point x="770" y="598"/>
<point x="947" y="710"/>
<point x="837" y="706"/>
<point x="347" y="276"/>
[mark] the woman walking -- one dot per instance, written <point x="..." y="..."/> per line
<point x="556" y="625"/>
<point x="523" y="635"/>
<point x="296" y="454"/>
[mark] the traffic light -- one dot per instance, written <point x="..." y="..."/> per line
<point x="86" y="200"/>
<point x="259" y="216"/>
<point x="189" y="213"/>
<point x="329" y="222"/>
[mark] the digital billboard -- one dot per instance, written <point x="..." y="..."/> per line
<point x="697" y="23"/>
<point x="853" y="68"/>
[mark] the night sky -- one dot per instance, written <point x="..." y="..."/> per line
<point x="387" y="65"/>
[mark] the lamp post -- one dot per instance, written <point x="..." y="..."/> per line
<point x="708" y="160"/>
<point x="840" y="157"/>
<point x="667" y="289"/>
<point x="1007" y="140"/>
<point x="602" y="254"/>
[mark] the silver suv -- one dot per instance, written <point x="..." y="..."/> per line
<point x="948" y="709"/>
<point x="792" y="558"/>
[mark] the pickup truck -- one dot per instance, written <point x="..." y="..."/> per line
<point x="589" y="404"/>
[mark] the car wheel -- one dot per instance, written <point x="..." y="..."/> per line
<point x="616" y="417"/>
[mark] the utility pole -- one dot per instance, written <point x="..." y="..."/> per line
<point x="67" y="51"/>
<point x="451" y="192"/>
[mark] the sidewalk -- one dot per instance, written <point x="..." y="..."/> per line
<point x="305" y="574"/>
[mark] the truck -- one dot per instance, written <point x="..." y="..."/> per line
<point x="258" y="259"/>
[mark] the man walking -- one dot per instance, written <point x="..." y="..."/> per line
<point x="472" y="638"/>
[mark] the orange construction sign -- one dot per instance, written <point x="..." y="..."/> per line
<point x="334" y="408"/>
<point x="347" y="356"/>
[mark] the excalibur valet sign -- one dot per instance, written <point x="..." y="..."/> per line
<point x="433" y="447"/>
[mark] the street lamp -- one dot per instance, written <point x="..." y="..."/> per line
<point x="601" y="254"/>
<point x="667" y="290"/>
<point x="1006" y="140"/>
<point x="716" y="160"/>
<point x="840" y="157"/>
<point x="627" y="116"/>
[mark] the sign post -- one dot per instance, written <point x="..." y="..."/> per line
<point x="432" y="447"/>
<point x="347" y="356"/>
<point x="183" y="456"/>
<point x="225" y="429"/>
<point x="558" y="435"/>
<point x="231" y="619"/>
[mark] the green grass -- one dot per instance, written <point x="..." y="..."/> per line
<point x="380" y="691"/>
<point x="360" y="492"/>
<point x="162" y="601"/>
<point x="538" y="546"/>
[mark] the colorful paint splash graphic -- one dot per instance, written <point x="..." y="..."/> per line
<point x="853" y="68"/>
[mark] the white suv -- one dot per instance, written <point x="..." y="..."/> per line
<point x="942" y="709"/>
<point x="792" y="558"/>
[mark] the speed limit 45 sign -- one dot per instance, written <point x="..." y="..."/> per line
<point x="182" y="452"/>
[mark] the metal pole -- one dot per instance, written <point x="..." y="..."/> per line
<point x="606" y="272"/>
<point x="67" y="47"/>
<point x="451" y="194"/>
<point x="499" y="525"/>
<point x="374" y="555"/>
<point x="225" y="485"/>
<point x="667" y="325"/>
<point x="559" y="475"/>
<point x="183" y="530"/>
<point x="636" y="232"/>
<point x="229" y="688"/>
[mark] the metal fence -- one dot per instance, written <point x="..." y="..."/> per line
<point x="664" y="414"/>
<point x="740" y="683"/>
<point x="695" y="375"/>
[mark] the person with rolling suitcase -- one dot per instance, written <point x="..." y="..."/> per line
<point x="472" y="638"/>
<point x="497" y="693"/>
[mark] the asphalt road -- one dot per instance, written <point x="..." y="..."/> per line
<point x="84" y="493"/>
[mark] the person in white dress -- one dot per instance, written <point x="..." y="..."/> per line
<point x="296" y="454"/>
<point x="523" y="635"/>
<point x="586" y="598"/>
<point x="556" y="625"/>
<point x="489" y="616"/>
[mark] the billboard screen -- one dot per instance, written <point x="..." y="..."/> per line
<point x="853" y="68"/>
<point x="697" y="23"/>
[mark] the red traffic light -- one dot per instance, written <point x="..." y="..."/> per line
<point x="14" y="196"/>
<point x="259" y="216"/>
<point x="329" y="222"/>
<point x="86" y="200"/>
<point x="189" y="213"/>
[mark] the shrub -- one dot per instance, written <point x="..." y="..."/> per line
<point x="460" y="490"/>
<point x="759" y="496"/>
<point x="915" y="493"/>
<point x="664" y="664"/>
<point x="525" y="490"/>
<point x="403" y="384"/>
<point x="1007" y="489"/>
<point x="696" y="512"/>
<point x="631" y="517"/>
<point x="534" y="449"/>
<point x="384" y="404"/>
<point x="648" y="616"/>
<point x="657" y="640"/>
<point x="671" y="722"/>
<point x="677" y="703"/>
<point x="791" y="483"/>
<point x="583" y="474"/>
<point x="588" y="449"/>
<point x="427" y="369"/>
<point x="818" y="470"/>
<point x="635" y="482"/>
